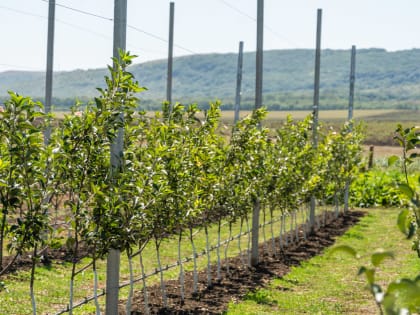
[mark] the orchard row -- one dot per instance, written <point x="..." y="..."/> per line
<point x="175" y="171"/>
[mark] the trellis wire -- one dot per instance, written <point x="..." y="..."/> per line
<point x="321" y="221"/>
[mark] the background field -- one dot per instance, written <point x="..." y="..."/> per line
<point x="379" y="125"/>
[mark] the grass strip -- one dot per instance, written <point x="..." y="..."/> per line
<point x="328" y="284"/>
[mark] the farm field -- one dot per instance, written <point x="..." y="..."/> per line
<point x="323" y="115"/>
<point x="227" y="115"/>
<point x="379" y="124"/>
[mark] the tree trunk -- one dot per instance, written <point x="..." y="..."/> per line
<point x="195" y="275"/>
<point x="227" y="246"/>
<point x="218" y="251"/>
<point x="208" y="257"/>
<point x="95" y="288"/>
<point x="162" y="283"/>
<point x="145" y="295"/>
<point x="181" y="269"/>
<point x="31" y="285"/>
<point x="130" y="293"/>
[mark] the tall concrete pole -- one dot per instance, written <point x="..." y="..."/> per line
<point x="50" y="63"/>
<point x="170" y="53"/>
<point x="352" y="81"/>
<point x="350" y="115"/>
<point x="117" y="147"/>
<point x="259" y="55"/>
<point x="316" y="105"/>
<point x="317" y="77"/>
<point x="239" y="82"/>
<point x="258" y="104"/>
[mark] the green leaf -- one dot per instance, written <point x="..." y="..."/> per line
<point x="403" y="293"/>
<point x="402" y="221"/>
<point x="414" y="155"/>
<point x="392" y="160"/>
<point x="345" y="249"/>
<point x="370" y="274"/>
<point x="411" y="230"/>
<point x="378" y="257"/>
<point x="406" y="190"/>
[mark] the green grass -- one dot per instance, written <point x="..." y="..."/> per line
<point x="328" y="284"/>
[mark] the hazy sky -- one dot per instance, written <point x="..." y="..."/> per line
<point x="201" y="26"/>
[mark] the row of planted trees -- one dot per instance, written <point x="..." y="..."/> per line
<point x="178" y="173"/>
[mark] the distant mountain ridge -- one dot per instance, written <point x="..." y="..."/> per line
<point x="383" y="79"/>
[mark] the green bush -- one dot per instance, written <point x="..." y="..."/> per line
<point x="377" y="187"/>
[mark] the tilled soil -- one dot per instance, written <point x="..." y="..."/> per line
<point x="241" y="279"/>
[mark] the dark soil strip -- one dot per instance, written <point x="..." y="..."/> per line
<point x="242" y="280"/>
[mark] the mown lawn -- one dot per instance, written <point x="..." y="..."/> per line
<point x="328" y="284"/>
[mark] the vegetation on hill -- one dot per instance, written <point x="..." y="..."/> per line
<point x="383" y="80"/>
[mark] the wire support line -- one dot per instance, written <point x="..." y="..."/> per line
<point x="198" y="254"/>
<point x="84" y="29"/>
<point x="81" y="11"/>
<point x="159" y="38"/>
<point x="129" y="26"/>
<point x="321" y="221"/>
<point x="22" y="12"/>
<point x="267" y="27"/>
<point x="238" y="10"/>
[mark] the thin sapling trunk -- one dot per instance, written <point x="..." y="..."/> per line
<point x="208" y="257"/>
<point x="162" y="283"/>
<point x="263" y="228"/>
<point x="281" y="232"/>
<point x="130" y="293"/>
<point x="145" y="295"/>
<point x="240" y="239"/>
<point x="181" y="268"/>
<point x="31" y="285"/>
<point x="73" y="269"/>
<point x="2" y="233"/>
<point x="218" y="250"/>
<point x="95" y="287"/>
<point x="249" y="240"/>
<point x="195" y="274"/>
<point x="273" y="241"/>
<point x="227" y="246"/>
<point x="304" y="224"/>
<point x="291" y="228"/>
<point x="337" y="210"/>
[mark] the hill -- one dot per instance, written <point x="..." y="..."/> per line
<point x="383" y="80"/>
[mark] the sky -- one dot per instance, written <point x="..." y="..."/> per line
<point x="84" y="40"/>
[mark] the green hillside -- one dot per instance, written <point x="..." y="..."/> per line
<point x="383" y="80"/>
